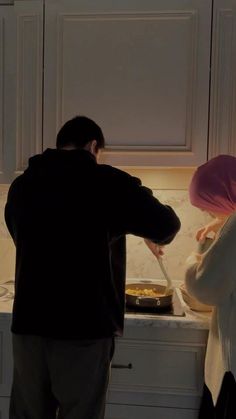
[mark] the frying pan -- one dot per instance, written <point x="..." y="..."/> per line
<point x="138" y="301"/>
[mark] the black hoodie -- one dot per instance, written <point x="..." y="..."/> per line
<point x="68" y="217"/>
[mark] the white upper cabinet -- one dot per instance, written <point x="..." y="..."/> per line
<point x="21" y="50"/>
<point x="222" y="138"/>
<point x="140" y="69"/>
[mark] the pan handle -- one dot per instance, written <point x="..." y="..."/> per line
<point x="144" y="301"/>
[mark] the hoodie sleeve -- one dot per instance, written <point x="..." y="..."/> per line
<point x="12" y="207"/>
<point x="134" y="210"/>
<point x="212" y="280"/>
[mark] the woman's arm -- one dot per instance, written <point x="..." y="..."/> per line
<point x="212" y="279"/>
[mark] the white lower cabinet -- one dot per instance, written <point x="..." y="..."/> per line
<point x="115" y="411"/>
<point x="4" y="407"/>
<point x="6" y="361"/>
<point x="157" y="373"/>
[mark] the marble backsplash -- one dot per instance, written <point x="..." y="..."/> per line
<point x="140" y="261"/>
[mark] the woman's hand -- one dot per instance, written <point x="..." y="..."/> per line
<point x="211" y="227"/>
<point x="156" y="249"/>
<point x="193" y="258"/>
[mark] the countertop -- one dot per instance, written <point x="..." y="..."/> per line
<point x="191" y="320"/>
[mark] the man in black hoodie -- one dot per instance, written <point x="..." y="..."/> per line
<point x="68" y="217"/>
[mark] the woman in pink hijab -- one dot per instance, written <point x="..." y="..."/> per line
<point x="211" y="278"/>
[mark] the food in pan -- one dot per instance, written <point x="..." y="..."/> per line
<point x="146" y="292"/>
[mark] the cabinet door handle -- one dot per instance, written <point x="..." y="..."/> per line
<point x="121" y="366"/>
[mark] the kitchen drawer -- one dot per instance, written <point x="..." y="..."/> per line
<point x="160" y="369"/>
<point x="6" y="362"/>
<point x="4" y="407"/>
<point x="114" y="411"/>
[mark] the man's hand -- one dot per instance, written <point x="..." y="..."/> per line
<point x="211" y="227"/>
<point x="156" y="249"/>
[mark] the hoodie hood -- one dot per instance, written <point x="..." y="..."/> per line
<point x="54" y="160"/>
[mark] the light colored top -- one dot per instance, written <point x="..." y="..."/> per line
<point x="213" y="281"/>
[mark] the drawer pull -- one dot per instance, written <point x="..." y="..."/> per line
<point x="120" y="366"/>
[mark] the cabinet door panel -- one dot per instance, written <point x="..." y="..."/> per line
<point x="20" y="85"/>
<point x="140" y="412"/>
<point x="7" y="91"/>
<point x="140" y="70"/>
<point x="158" y="372"/>
<point x="4" y="407"/>
<point x="223" y="86"/>
<point x="6" y="361"/>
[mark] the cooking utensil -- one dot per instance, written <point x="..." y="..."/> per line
<point x="169" y="286"/>
<point x="144" y="302"/>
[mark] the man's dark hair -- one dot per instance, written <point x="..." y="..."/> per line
<point x="78" y="132"/>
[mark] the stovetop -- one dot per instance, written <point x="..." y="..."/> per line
<point x="175" y="309"/>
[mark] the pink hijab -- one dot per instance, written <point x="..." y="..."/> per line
<point x="213" y="186"/>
